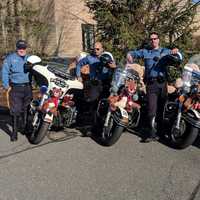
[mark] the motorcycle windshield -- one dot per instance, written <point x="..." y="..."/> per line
<point x="119" y="78"/>
<point x="191" y="72"/>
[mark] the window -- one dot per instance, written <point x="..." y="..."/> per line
<point x="87" y="36"/>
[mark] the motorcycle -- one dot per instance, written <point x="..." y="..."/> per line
<point x="181" y="117"/>
<point x="55" y="104"/>
<point x="120" y="110"/>
<point x="126" y="108"/>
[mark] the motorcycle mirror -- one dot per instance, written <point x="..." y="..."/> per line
<point x="34" y="59"/>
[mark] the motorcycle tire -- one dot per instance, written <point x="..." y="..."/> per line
<point x="39" y="135"/>
<point x="188" y="137"/>
<point x="116" y="132"/>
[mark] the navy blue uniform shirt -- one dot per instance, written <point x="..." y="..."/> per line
<point x="93" y="62"/>
<point x="150" y="60"/>
<point x="13" y="70"/>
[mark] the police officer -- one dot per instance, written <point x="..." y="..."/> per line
<point x="156" y="89"/>
<point x="105" y="72"/>
<point x="92" y="60"/>
<point x="17" y="83"/>
<point x="101" y="65"/>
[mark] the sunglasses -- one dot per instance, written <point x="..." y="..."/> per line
<point x="153" y="39"/>
<point x="21" y="49"/>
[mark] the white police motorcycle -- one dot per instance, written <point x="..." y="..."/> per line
<point x="181" y="117"/>
<point x="55" y="103"/>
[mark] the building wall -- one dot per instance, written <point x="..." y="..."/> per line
<point x="198" y="22"/>
<point x="62" y="34"/>
<point x="46" y="41"/>
<point x="69" y="15"/>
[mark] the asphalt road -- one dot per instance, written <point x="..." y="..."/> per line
<point x="78" y="168"/>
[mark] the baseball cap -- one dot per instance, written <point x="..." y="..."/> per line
<point x="21" y="44"/>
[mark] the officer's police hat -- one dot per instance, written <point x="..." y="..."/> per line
<point x="21" y="44"/>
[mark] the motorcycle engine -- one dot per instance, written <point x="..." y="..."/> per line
<point x="170" y="110"/>
<point x="69" y="116"/>
<point x="134" y="118"/>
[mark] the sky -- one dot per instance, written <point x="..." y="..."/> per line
<point x="195" y="1"/>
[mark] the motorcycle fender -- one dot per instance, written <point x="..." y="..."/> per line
<point x="197" y="114"/>
<point x="48" y="118"/>
<point x="194" y="114"/>
<point x="193" y="117"/>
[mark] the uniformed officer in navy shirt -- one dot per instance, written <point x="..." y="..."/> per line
<point x="93" y="60"/>
<point x="17" y="83"/>
<point x="155" y="80"/>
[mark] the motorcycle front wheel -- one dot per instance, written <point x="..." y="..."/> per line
<point x="111" y="134"/>
<point x="37" y="133"/>
<point x="185" y="136"/>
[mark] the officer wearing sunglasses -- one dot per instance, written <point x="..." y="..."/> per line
<point x="155" y="80"/>
<point x="91" y="60"/>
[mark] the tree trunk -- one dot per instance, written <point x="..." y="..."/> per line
<point x="3" y="28"/>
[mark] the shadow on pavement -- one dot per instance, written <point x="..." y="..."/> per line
<point x="197" y="143"/>
<point x="163" y="139"/>
<point x="5" y="123"/>
<point x="5" y="120"/>
<point x="70" y="136"/>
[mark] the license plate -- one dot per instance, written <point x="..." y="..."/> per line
<point x="123" y="112"/>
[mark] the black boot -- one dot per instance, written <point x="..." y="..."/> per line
<point x="23" y="123"/>
<point x="152" y="134"/>
<point x="152" y="131"/>
<point x="13" y="136"/>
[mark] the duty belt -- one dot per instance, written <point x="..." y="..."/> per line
<point x="20" y="84"/>
<point x="158" y="79"/>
